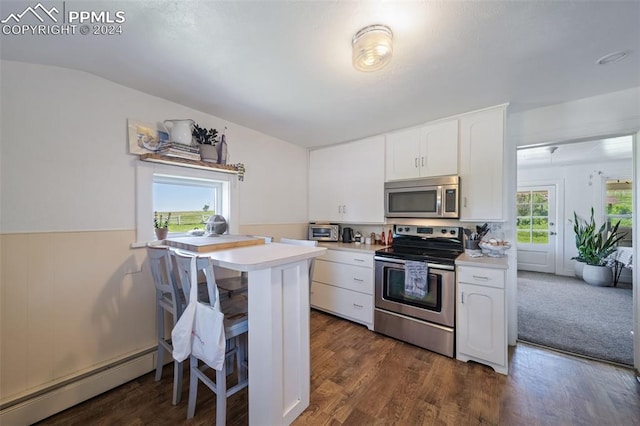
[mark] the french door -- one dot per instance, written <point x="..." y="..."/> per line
<point x="536" y="228"/>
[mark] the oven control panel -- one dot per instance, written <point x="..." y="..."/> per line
<point x="427" y="231"/>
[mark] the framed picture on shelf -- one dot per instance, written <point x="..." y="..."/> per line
<point x="145" y="138"/>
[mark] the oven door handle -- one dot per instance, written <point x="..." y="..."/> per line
<point x="402" y="262"/>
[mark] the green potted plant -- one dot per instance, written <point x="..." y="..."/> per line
<point x="207" y="139"/>
<point x="583" y="231"/>
<point x="594" y="246"/>
<point x="161" y="225"/>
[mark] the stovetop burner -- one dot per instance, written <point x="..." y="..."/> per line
<point x="428" y="244"/>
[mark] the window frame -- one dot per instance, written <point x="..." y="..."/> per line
<point x="145" y="172"/>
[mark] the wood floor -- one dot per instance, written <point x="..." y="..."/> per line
<point x="362" y="378"/>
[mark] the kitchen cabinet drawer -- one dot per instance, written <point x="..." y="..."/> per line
<point x="356" y="278"/>
<point x="348" y="257"/>
<point x="345" y="303"/>
<point x="481" y="276"/>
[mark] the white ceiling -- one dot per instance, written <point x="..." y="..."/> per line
<point x="284" y="67"/>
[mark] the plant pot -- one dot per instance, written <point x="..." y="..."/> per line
<point x="578" y="268"/>
<point x="209" y="153"/>
<point x="597" y="275"/>
<point x="161" y="233"/>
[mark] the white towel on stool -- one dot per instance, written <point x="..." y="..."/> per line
<point x="415" y="279"/>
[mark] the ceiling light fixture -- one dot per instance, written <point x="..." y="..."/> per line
<point x="372" y="47"/>
<point x="612" y="57"/>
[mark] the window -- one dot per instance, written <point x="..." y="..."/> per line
<point x="180" y="190"/>
<point x="189" y="200"/>
<point x="533" y="217"/>
<point x="619" y="204"/>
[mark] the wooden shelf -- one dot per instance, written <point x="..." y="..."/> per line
<point x="194" y="164"/>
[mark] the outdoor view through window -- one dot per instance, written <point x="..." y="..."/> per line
<point x="190" y="201"/>
<point x="619" y="207"/>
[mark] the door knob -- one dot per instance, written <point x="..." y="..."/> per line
<point x="553" y="233"/>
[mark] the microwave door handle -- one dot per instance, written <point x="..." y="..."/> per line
<point x="439" y="200"/>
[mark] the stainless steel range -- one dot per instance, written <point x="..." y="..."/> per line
<point x="415" y="286"/>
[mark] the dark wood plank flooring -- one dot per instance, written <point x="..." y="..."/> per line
<point x="362" y="378"/>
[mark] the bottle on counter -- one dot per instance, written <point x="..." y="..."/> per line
<point x="383" y="239"/>
<point x="390" y="238"/>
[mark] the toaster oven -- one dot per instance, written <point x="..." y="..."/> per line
<point x="324" y="232"/>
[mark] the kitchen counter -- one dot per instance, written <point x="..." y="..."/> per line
<point x="370" y="248"/>
<point x="484" y="261"/>
<point x="279" y="347"/>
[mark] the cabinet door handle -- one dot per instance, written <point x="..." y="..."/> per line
<point x="478" y="277"/>
<point x="465" y="201"/>
<point x="358" y="260"/>
<point x="416" y="162"/>
<point x="422" y="161"/>
<point x="358" y="279"/>
<point x="355" y="305"/>
<point x="462" y="297"/>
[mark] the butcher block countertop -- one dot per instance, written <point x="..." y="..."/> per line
<point x="207" y="244"/>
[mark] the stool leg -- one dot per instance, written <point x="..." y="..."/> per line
<point x="193" y="387"/>
<point x="221" y="397"/>
<point x="177" y="382"/>
<point x="160" y="336"/>
<point x="241" y="356"/>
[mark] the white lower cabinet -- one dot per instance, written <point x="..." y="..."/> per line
<point x="343" y="285"/>
<point x="481" y="326"/>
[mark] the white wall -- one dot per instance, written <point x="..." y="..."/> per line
<point x="616" y="113"/>
<point x="74" y="296"/>
<point x="65" y="163"/>
<point x="583" y="187"/>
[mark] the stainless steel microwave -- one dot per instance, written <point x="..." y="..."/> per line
<point x="423" y="198"/>
<point x="324" y="232"/>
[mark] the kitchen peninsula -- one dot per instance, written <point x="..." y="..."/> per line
<point x="279" y="353"/>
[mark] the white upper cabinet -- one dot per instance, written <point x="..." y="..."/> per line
<point x="481" y="165"/>
<point x="346" y="182"/>
<point x="430" y="150"/>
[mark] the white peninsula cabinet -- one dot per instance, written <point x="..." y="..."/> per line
<point x="425" y="151"/>
<point x="346" y="182"/>
<point x="481" y="165"/>
<point x="343" y="285"/>
<point x="481" y="324"/>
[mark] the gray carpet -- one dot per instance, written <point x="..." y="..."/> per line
<point x="568" y="314"/>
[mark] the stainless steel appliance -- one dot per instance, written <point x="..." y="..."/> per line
<point x="423" y="198"/>
<point x="425" y="318"/>
<point x="324" y="232"/>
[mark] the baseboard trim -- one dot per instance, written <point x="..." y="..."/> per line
<point x="45" y="404"/>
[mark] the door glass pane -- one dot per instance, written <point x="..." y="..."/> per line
<point x="524" y="237"/>
<point x="533" y="217"/>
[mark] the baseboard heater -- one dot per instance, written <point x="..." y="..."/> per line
<point x="46" y="402"/>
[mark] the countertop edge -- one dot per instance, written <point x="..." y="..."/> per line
<point x="353" y="247"/>
<point x="483" y="262"/>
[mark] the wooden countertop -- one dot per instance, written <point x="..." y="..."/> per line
<point x="207" y="244"/>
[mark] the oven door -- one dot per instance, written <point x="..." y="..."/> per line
<point x="438" y="304"/>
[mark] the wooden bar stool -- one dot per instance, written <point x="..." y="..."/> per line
<point x="167" y="300"/>
<point x="236" y="326"/>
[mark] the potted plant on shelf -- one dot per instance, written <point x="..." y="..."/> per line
<point x="594" y="246"/>
<point x="161" y="225"/>
<point x="207" y="139"/>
